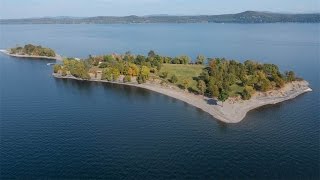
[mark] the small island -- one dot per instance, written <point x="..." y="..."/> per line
<point x="32" y="51"/>
<point x="226" y="89"/>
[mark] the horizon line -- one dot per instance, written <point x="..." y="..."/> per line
<point x="159" y="15"/>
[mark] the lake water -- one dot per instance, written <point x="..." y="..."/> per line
<point x="67" y="129"/>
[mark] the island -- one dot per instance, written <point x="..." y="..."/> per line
<point x="226" y="89"/>
<point x="32" y="51"/>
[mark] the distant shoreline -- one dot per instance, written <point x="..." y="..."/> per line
<point x="247" y="17"/>
<point x="231" y="111"/>
<point x="57" y="57"/>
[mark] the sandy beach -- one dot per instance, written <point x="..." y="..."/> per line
<point x="233" y="110"/>
<point x="58" y="57"/>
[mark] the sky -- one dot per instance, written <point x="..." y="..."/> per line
<point x="10" y="9"/>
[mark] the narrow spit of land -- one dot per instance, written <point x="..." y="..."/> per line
<point x="225" y="89"/>
<point x="232" y="111"/>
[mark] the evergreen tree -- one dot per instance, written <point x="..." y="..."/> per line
<point x="223" y="96"/>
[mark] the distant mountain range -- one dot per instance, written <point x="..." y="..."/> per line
<point x="244" y="17"/>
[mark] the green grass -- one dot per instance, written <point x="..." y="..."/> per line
<point x="183" y="71"/>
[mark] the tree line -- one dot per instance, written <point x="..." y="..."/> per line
<point x="220" y="78"/>
<point x="33" y="50"/>
<point x="129" y="65"/>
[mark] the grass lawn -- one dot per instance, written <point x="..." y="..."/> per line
<point x="183" y="71"/>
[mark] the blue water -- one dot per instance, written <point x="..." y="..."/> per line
<point x="67" y="129"/>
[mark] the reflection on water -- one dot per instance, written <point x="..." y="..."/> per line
<point x="83" y="87"/>
<point x="86" y="87"/>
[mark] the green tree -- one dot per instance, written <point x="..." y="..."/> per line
<point x="167" y="60"/>
<point x="151" y="53"/>
<point x="213" y="88"/>
<point x="250" y="66"/>
<point x="108" y="58"/>
<point x="110" y="74"/>
<point x="103" y="65"/>
<point x="265" y="85"/>
<point x="106" y="74"/>
<point x="143" y="75"/>
<point x="56" y="68"/>
<point x="145" y="71"/>
<point x="115" y="74"/>
<point x="128" y="57"/>
<point x="290" y="75"/>
<point x="175" y="60"/>
<point x="270" y="69"/>
<point x="184" y="59"/>
<point x="278" y="80"/>
<point x="141" y="79"/>
<point x="133" y="70"/>
<point x="202" y="86"/>
<point x="204" y="75"/>
<point x="63" y="72"/>
<point x="140" y="60"/>
<point x="223" y="96"/>
<point x="247" y="92"/>
<point x="245" y="95"/>
<point x="76" y="68"/>
<point x="200" y="59"/>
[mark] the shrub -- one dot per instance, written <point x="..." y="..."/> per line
<point x="247" y="92"/>
<point x="245" y="95"/>
<point x="186" y="83"/>
<point x="173" y="79"/>
<point x="164" y="75"/>
<point x="127" y="79"/>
